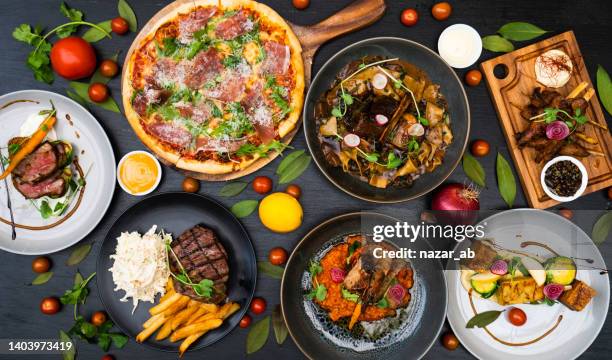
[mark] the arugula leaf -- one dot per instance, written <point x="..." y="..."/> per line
<point x="72" y="15"/>
<point x="262" y="149"/>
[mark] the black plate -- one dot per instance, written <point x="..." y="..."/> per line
<point x="175" y="213"/>
<point x="427" y="308"/>
<point x="438" y="71"/>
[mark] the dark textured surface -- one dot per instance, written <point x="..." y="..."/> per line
<point x="19" y="314"/>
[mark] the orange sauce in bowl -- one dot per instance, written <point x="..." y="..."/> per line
<point x="138" y="173"/>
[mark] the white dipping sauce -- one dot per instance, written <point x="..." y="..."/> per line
<point x="460" y="45"/>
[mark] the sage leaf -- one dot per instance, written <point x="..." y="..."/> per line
<point x="67" y="354"/>
<point x="272" y="271"/>
<point x="604" y="88"/>
<point x="294" y="169"/>
<point x="78" y="278"/>
<point x="288" y="160"/>
<point x="126" y="12"/>
<point x="497" y="43"/>
<point x="473" y="169"/>
<point x="97" y="77"/>
<point x="602" y="227"/>
<point x="520" y="31"/>
<point x="233" y="189"/>
<point x="258" y="335"/>
<point x="278" y="324"/>
<point x="81" y="90"/>
<point x="505" y="180"/>
<point x="244" y="208"/>
<point x="74" y="96"/>
<point x="42" y="278"/>
<point x="78" y="254"/>
<point x="483" y="319"/>
<point x="93" y="34"/>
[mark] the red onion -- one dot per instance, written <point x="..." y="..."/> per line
<point x="351" y="140"/>
<point x="337" y="275"/>
<point x="499" y="267"/>
<point x="381" y="119"/>
<point x="557" y="130"/>
<point x="379" y="81"/>
<point x="396" y="293"/>
<point x="553" y="291"/>
<point x="456" y="204"/>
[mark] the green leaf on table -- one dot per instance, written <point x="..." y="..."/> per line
<point x="279" y="326"/>
<point x="97" y="77"/>
<point x="78" y="254"/>
<point x="604" y="88"/>
<point x="126" y="12"/>
<point x="74" y="96"/>
<point x="505" y="180"/>
<point x="69" y="352"/>
<point x="72" y="15"/>
<point x="42" y="278"/>
<point x="244" y="208"/>
<point x="473" y="169"/>
<point x="273" y="271"/>
<point x="288" y="160"/>
<point x="483" y="319"/>
<point x="602" y="227"/>
<point x="24" y="33"/>
<point x="258" y="335"/>
<point x="81" y="90"/>
<point x="233" y="188"/>
<point x="520" y="31"/>
<point x="294" y="169"/>
<point x="78" y="278"/>
<point x="497" y="43"/>
<point x="93" y="34"/>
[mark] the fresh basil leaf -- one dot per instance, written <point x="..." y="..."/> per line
<point x="288" y="160"/>
<point x="42" y="278"/>
<point x="278" y="324"/>
<point x="258" y="335"/>
<point x="93" y="34"/>
<point x="497" y="43"/>
<point x="294" y="169"/>
<point x="78" y="254"/>
<point x="244" y="208"/>
<point x="272" y="271"/>
<point x="604" y="88"/>
<point x="602" y="227"/>
<point x="483" y="319"/>
<point x="473" y="169"/>
<point x="126" y="12"/>
<point x="233" y="188"/>
<point x="520" y="31"/>
<point x="505" y="180"/>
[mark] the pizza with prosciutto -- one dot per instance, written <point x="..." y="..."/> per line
<point x="213" y="85"/>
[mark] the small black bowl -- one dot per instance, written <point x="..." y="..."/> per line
<point x="438" y="71"/>
<point x="175" y="212"/>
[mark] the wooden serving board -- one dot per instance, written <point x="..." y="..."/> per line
<point x="515" y="88"/>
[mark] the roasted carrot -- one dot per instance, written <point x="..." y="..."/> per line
<point x="355" y="315"/>
<point x="30" y="145"/>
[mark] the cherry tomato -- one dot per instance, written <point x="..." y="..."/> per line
<point x="191" y="185"/>
<point x="450" y="341"/>
<point x="258" y="305"/>
<point x="610" y="193"/>
<point x="73" y="58"/>
<point x="294" y="191"/>
<point x="480" y="148"/>
<point x="245" y="321"/>
<point x="41" y="264"/>
<point x="109" y="68"/>
<point x="98" y="318"/>
<point x="409" y="17"/>
<point x="473" y="77"/>
<point x="277" y="256"/>
<point x="108" y="357"/>
<point x="262" y="184"/>
<point x="566" y="213"/>
<point x="50" y="305"/>
<point x="441" y="11"/>
<point x="517" y="317"/>
<point x="119" y="25"/>
<point x="98" y="92"/>
<point x="301" y="4"/>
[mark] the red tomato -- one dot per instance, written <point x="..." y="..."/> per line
<point x="245" y="321"/>
<point x="119" y="25"/>
<point x="98" y="92"/>
<point x="473" y="77"/>
<point x="610" y="193"/>
<point x="441" y="11"/>
<point x="517" y="317"/>
<point x="277" y="256"/>
<point x="294" y="191"/>
<point x="450" y="341"/>
<point x="98" y="318"/>
<point x="109" y="68"/>
<point x="258" y="305"/>
<point x="480" y="148"/>
<point x="73" y="58"/>
<point x="566" y="213"/>
<point x="301" y="4"/>
<point x="50" y="305"/>
<point x="108" y="357"/>
<point x="409" y="17"/>
<point x="262" y="184"/>
<point x="41" y="264"/>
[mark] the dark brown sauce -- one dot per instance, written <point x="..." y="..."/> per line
<point x="18" y="101"/>
<point x="69" y="120"/>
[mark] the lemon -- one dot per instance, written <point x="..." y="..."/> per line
<point x="280" y="212"/>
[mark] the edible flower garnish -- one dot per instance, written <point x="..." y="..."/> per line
<point x="553" y="291"/>
<point x="396" y="293"/>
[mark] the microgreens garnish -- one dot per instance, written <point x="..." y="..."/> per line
<point x="318" y="291"/>
<point x="398" y="84"/>
<point x="204" y="288"/>
<point x="550" y="114"/>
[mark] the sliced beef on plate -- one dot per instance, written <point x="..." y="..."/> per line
<point x="205" y="66"/>
<point x="278" y="58"/>
<point x="234" y="26"/>
<point x="54" y="186"/>
<point x="170" y="132"/>
<point x="261" y="116"/>
<point x="203" y="257"/>
<point x="193" y="22"/>
<point x="39" y="165"/>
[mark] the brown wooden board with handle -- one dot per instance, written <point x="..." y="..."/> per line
<point x="515" y="88"/>
<point x="357" y="15"/>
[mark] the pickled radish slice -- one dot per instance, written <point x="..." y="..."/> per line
<point x="553" y="291"/>
<point x="499" y="267"/>
<point x="337" y="275"/>
<point x="379" y="81"/>
<point x="381" y="119"/>
<point x="396" y="293"/>
<point x="351" y="140"/>
<point x="416" y="130"/>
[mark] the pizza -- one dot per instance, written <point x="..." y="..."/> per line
<point x="213" y="85"/>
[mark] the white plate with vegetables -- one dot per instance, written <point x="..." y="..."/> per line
<point x="60" y="174"/>
<point x="534" y="289"/>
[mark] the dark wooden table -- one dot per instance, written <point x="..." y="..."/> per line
<point x="19" y="314"/>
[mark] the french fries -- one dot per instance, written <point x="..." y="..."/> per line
<point x="178" y="317"/>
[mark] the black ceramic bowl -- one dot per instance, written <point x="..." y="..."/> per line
<point x="311" y="330"/>
<point x="439" y="72"/>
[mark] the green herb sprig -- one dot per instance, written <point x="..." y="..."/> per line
<point x="204" y="288"/>
<point x="78" y="294"/>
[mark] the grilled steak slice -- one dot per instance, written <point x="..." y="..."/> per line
<point x="53" y="186"/>
<point x="203" y="257"/>
<point x="39" y="165"/>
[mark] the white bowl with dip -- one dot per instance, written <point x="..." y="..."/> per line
<point x="583" y="185"/>
<point x="460" y="45"/>
<point x="142" y="176"/>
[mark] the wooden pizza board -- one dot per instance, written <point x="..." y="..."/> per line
<point x="357" y="15"/>
<point x="515" y="89"/>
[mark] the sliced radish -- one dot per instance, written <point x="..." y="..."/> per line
<point x="379" y="81"/>
<point x="351" y="140"/>
<point x="416" y="130"/>
<point x="381" y="119"/>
